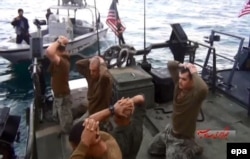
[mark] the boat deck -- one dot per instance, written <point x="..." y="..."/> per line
<point x="219" y="113"/>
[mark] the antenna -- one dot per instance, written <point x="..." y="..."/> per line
<point x="58" y="3"/>
<point x="97" y="32"/>
<point x="144" y="24"/>
<point x="144" y="29"/>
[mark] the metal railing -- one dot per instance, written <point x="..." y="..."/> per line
<point x="194" y="44"/>
<point x="211" y="50"/>
<point x="31" y="149"/>
<point x="230" y="78"/>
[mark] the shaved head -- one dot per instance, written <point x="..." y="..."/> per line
<point x="95" y="61"/>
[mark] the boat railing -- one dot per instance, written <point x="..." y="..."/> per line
<point x="208" y="72"/>
<point x="34" y="110"/>
<point x="214" y="37"/>
<point x="31" y="151"/>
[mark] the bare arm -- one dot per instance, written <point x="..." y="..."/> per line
<point x="104" y="114"/>
<point x="140" y="110"/>
<point x="51" y="52"/>
<point x="101" y="115"/>
<point x="138" y="99"/>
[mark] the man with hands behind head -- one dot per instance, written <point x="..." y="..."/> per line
<point x="59" y="69"/>
<point x="99" y="84"/>
<point x="90" y="143"/>
<point x="128" y="115"/>
<point x="177" y="140"/>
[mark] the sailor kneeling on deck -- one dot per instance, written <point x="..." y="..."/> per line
<point x="128" y="115"/>
<point x="90" y="143"/>
<point x="177" y="140"/>
<point x="99" y="87"/>
<point x="59" y="69"/>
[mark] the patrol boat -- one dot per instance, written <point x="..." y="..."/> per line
<point x="67" y="20"/>
<point x="224" y="116"/>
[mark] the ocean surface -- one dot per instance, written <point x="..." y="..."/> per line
<point x="197" y="17"/>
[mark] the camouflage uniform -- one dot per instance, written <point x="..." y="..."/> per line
<point x="164" y="143"/>
<point x="62" y="108"/>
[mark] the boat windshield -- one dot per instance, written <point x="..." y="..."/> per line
<point x="82" y="14"/>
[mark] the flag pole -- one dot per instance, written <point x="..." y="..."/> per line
<point x="144" y="24"/>
<point x="97" y="32"/>
<point x="58" y="3"/>
<point x="144" y="56"/>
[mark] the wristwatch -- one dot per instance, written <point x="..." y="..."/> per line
<point x="112" y="109"/>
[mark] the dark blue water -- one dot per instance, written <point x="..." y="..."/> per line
<point x="197" y="17"/>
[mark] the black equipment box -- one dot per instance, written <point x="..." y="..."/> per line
<point x="131" y="81"/>
<point x="164" y="85"/>
<point x="9" y="125"/>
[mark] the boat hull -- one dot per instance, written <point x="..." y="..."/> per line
<point x="16" y="53"/>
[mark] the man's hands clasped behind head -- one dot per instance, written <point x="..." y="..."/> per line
<point x="91" y="133"/>
<point x="192" y="68"/>
<point x="124" y="107"/>
<point x="63" y="41"/>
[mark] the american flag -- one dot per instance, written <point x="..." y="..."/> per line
<point x="246" y="9"/>
<point x="113" y="19"/>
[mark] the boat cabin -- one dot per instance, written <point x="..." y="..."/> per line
<point x="71" y="21"/>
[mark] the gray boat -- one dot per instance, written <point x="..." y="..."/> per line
<point x="67" y="20"/>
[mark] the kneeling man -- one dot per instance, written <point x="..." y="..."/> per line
<point x="177" y="140"/>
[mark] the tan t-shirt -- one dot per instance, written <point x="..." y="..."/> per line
<point x="99" y="92"/>
<point x="60" y="76"/>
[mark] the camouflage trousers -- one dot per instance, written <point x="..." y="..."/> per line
<point x="62" y="110"/>
<point x="104" y="125"/>
<point x="164" y="143"/>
